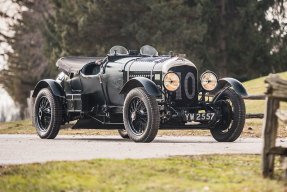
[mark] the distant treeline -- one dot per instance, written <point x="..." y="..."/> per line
<point x="231" y="37"/>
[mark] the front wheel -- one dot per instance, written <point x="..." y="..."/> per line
<point x="229" y="127"/>
<point x="141" y="115"/>
<point x="47" y="114"/>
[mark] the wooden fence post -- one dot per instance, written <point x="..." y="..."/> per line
<point x="269" y="133"/>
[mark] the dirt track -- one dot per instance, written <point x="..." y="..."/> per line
<point x="19" y="149"/>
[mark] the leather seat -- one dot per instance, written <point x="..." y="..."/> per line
<point x="74" y="64"/>
<point x="91" y="69"/>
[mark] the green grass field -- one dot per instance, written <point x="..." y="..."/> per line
<point x="257" y="86"/>
<point x="195" y="173"/>
<point x="252" y="128"/>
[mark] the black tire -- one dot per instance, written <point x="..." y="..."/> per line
<point x="47" y="114"/>
<point x="141" y="115"/>
<point x="123" y="133"/>
<point x="230" y="126"/>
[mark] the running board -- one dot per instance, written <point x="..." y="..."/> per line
<point x="94" y="124"/>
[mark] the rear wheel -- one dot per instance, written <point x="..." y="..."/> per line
<point x="47" y="114"/>
<point x="123" y="133"/>
<point x="141" y="115"/>
<point x="231" y="124"/>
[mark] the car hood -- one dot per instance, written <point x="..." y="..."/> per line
<point x="153" y="63"/>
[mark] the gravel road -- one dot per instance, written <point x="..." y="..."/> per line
<point x="20" y="149"/>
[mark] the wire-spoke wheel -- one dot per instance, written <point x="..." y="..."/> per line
<point x="141" y="115"/>
<point x="44" y="113"/>
<point x="47" y="114"/>
<point x="123" y="133"/>
<point x="137" y="115"/>
<point x="229" y="127"/>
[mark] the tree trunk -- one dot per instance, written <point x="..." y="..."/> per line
<point x="222" y="41"/>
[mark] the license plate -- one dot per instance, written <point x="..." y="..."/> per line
<point x="199" y="116"/>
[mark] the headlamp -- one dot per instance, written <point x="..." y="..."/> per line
<point x="208" y="80"/>
<point x="171" y="81"/>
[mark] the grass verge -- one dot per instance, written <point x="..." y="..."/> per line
<point x="195" y="173"/>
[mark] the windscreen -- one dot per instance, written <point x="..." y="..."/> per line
<point x="118" y="50"/>
<point x="148" y="50"/>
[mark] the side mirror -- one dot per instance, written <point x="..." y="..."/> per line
<point x="71" y="75"/>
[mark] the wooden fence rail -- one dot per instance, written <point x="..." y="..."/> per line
<point x="254" y="97"/>
<point x="276" y="92"/>
<point x="254" y="115"/>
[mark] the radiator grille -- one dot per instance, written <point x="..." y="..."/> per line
<point x="187" y="93"/>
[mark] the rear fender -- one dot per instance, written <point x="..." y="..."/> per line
<point x="151" y="88"/>
<point x="55" y="87"/>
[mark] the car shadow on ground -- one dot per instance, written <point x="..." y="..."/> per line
<point x="94" y="139"/>
<point x="159" y="140"/>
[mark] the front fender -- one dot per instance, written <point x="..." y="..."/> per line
<point x="56" y="89"/>
<point x="151" y="88"/>
<point x="234" y="83"/>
